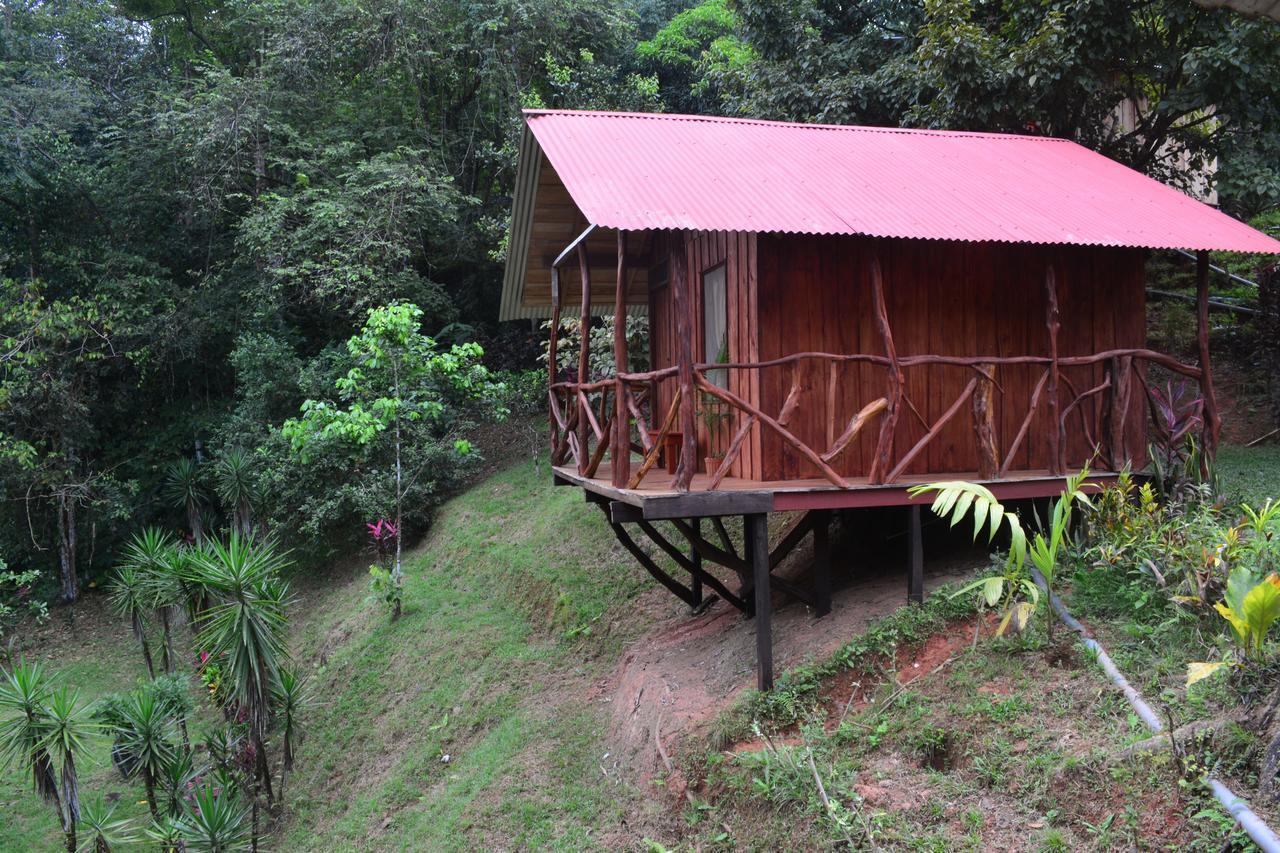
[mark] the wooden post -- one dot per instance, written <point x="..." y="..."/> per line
<point x="620" y="454"/>
<point x="915" y="578"/>
<point x="822" y="561"/>
<point x="1212" y="420"/>
<point x="1121" y="376"/>
<point x="1053" y="323"/>
<point x="557" y="456"/>
<point x="756" y="530"/>
<point x="880" y="465"/>
<point x="584" y="353"/>
<point x="684" y="364"/>
<point x="984" y="423"/>
<point x="695" y="557"/>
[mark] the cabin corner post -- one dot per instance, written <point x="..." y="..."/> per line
<point x="584" y="355"/>
<point x="1212" y="420"/>
<point x="680" y="273"/>
<point x="553" y="339"/>
<point x="884" y="446"/>
<point x="1053" y="324"/>
<point x="620" y="453"/>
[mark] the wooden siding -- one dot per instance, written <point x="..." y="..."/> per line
<point x="944" y="299"/>
<point x="705" y="251"/>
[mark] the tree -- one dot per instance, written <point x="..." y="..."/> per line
<point x="132" y="587"/>
<point x="232" y="474"/>
<point x="291" y="700"/>
<point x="145" y="732"/>
<point x="694" y="52"/>
<point x="184" y="487"/>
<point x="244" y="629"/>
<point x="68" y="730"/>
<point x="24" y="696"/>
<point x="399" y="381"/>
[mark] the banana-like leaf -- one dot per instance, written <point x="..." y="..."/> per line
<point x="1200" y="670"/>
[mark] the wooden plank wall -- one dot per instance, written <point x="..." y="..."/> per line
<point x="943" y="298"/>
<point x="705" y="251"/>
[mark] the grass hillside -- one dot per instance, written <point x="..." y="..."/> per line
<point x="463" y="725"/>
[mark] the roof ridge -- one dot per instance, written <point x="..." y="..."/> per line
<point x="864" y="128"/>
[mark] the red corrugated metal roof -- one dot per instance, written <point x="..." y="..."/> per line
<point x="635" y="171"/>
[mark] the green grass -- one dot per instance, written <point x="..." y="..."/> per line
<point x="497" y="602"/>
<point x="515" y="602"/>
<point x="1250" y="474"/>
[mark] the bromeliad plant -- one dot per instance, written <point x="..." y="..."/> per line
<point x="1013" y="590"/>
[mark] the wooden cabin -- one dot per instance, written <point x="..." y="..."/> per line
<point x="835" y="314"/>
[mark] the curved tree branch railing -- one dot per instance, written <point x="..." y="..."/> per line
<point x="589" y="417"/>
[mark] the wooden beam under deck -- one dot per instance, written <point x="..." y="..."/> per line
<point x="659" y="498"/>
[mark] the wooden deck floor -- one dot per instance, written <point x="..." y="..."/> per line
<point x="657" y="497"/>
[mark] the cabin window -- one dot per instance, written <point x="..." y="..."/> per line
<point x="715" y="326"/>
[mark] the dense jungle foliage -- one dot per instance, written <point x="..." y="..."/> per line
<point x="202" y="202"/>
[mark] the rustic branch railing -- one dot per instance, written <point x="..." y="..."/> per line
<point x="981" y="393"/>
<point x="590" y="417"/>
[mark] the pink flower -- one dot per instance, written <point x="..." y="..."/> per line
<point x="204" y="657"/>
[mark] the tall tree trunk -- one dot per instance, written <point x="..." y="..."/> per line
<point x="397" y="573"/>
<point x="168" y="639"/>
<point x="67" y="547"/>
<point x="193" y="521"/>
<point x="264" y="768"/>
<point x="150" y="785"/>
<point x="70" y="802"/>
<point x="141" y="636"/>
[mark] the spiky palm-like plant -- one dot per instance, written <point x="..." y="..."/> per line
<point x="146" y="732"/>
<point x="233" y="478"/>
<point x="291" y="701"/>
<point x="132" y="587"/>
<point x="245" y="625"/>
<point x="69" y="727"/>
<point x="99" y="831"/>
<point x="184" y="487"/>
<point x="216" y="822"/>
<point x="24" y="694"/>
<point x="166" y="832"/>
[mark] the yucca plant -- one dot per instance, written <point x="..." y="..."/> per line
<point x="24" y="694"/>
<point x="146" y="734"/>
<point x="177" y="778"/>
<point x="244" y="626"/>
<point x="100" y="832"/>
<point x="216" y="822"/>
<point x="132" y="588"/>
<point x="233" y="477"/>
<point x="184" y="487"/>
<point x="166" y="833"/>
<point x="68" y="728"/>
<point x="291" y="700"/>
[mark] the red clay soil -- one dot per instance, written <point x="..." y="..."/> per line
<point x="686" y="669"/>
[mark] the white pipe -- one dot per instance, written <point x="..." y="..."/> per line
<point x="1248" y="819"/>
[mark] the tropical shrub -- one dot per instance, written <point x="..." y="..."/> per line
<point x="1012" y="589"/>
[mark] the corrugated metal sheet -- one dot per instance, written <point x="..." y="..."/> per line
<point x="640" y="171"/>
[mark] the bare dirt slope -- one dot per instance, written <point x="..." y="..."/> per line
<point x="684" y="670"/>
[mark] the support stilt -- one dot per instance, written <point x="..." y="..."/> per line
<point x="822" y="562"/>
<point x="915" y="577"/>
<point x="757" y="541"/>
<point x="696" y="559"/>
